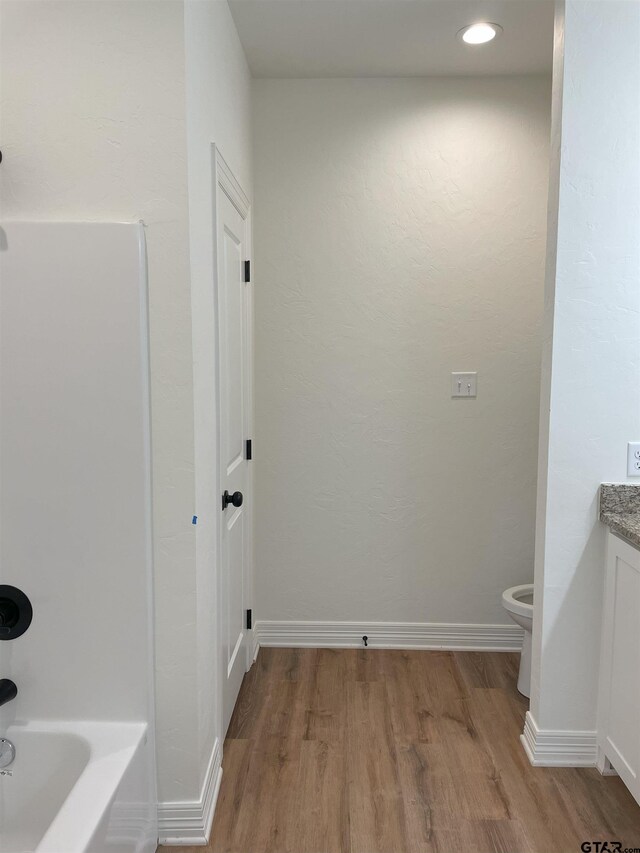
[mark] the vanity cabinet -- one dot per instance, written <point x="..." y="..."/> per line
<point x="619" y="688"/>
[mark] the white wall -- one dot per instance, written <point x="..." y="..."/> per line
<point x="218" y="111"/>
<point x="591" y="402"/>
<point x="399" y="235"/>
<point x="94" y="128"/>
<point x="104" y="105"/>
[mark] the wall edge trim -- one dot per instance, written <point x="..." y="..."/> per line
<point x="390" y="635"/>
<point x="558" y="748"/>
<point x="189" y="822"/>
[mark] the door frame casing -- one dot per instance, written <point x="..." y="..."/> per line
<point x="223" y="180"/>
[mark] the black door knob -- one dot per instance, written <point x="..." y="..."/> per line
<point x="236" y="499"/>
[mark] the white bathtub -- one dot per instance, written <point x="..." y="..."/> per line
<point x="78" y="788"/>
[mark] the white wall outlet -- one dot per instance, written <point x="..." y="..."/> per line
<point x="464" y="384"/>
<point x="633" y="459"/>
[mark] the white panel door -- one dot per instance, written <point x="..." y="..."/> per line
<point x="234" y="414"/>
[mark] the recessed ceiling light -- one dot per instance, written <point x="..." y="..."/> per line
<point x="479" y="33"/>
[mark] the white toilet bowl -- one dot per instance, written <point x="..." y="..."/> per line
<point x="518" y="602"/>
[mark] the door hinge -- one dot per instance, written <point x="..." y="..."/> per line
<point x="249" y="450"/>
<point x="248" y="620"/>
<point x="247" y="270"/>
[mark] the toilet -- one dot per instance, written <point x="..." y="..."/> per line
<point x="518" y="602"/>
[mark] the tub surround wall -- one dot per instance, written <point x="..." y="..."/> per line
<point x="590" y="405"/>
<point x="75" y="472"/>
<point x="399" y="236"/>
<point x="75" y="510"/>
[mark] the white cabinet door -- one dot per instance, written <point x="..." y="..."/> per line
<point x="619" y="699"/>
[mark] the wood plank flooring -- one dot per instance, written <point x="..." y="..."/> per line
<point x="373" y="751"/>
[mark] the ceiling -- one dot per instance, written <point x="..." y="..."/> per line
<point x="391" y="38"/>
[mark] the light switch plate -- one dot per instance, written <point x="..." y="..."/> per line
<point x="464" y="384"/>
<point x="633" y="459"/>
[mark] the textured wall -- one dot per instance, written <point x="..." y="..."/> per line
<point x="105" y="105"/>
<point x="591" y="402"/>
<point x="94" y="128"/>
<point x="399" y="235"/>
<point x="218" y="111"/>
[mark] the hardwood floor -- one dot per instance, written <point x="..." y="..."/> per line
<point x="372" y="751"/>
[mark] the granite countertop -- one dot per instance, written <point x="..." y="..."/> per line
<point x="620" y="509"/>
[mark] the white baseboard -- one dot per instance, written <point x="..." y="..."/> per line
<point x="389" y="635"/>
<point x="189" y="823"/>
<point x="564" y="748"/>
<point x="255" y="647"/>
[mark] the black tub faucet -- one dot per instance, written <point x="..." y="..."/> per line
<point x="8" y="690"/>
